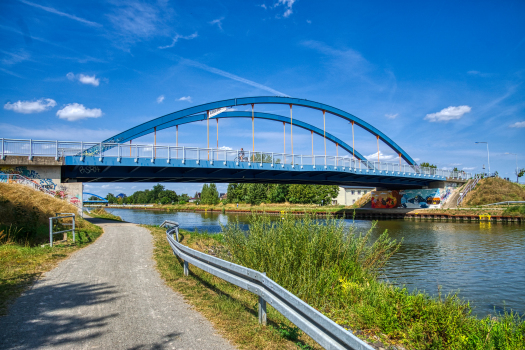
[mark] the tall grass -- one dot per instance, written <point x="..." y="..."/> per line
<point x="308" y="256"/>
<point x="336" y="270"/>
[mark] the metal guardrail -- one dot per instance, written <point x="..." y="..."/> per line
<point x="57" y="217"/>
<point x="320" y="328"/>
<point x="505" y="203"/>
<point x="59" y="149"/>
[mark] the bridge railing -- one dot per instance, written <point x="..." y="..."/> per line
<point x="59" y="149"/>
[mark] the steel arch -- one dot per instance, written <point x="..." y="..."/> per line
<point x="267" y="116"/>
<point x="150" y="126"/>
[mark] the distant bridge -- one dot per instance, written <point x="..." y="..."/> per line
<point x="100" y="199"/>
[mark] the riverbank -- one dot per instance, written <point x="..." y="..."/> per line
<point x="490" y="214"/>
<point x="380" y="312"/>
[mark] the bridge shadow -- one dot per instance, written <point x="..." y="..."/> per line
<point x="98" y="221"/>
<point x="57" y="315"/>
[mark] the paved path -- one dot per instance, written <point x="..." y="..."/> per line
<point x="107" y="296"/>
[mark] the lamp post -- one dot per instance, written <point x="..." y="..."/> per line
<point x="517" y="178"/>
<point x="488" y="154"/>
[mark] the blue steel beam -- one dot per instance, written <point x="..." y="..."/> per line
<point x="150" y="126"/>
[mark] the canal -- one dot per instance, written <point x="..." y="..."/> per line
<point x="484" y="262"/>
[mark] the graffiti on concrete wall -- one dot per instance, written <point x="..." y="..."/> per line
<point x="32" y="174"/>
<point x="422" y="198"/>
<point x="385" y="199"/>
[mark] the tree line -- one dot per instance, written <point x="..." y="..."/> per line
<point x="158" y="195"/>
<point x="280" y="193"/>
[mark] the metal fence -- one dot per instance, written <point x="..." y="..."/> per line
<point x="55" y="219"/>
<point x="320" y="328"/>
<point x="59" y="149"/>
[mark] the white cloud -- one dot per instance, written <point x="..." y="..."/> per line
<point x="231" y="76"/>
<point x="84" y="79"/>
<point x="264" y="6"/>
<point x="391" y="116"/>
<point x="218" y="22"/>
<point x="160" y="99"/>
<point x="478" y="73"/>
<point x="185" y="98"/>
<point x="467" y="168"/>
<point x="226" y="148"/>
<point x="56" y="12"/>
<point x="287" y="5"/>
<point x="308" y="21"/>
<point x="28" y="107"/>
<point x="14" y="58"/>
<point x="518" y="125"/>
<point x="177" y="37"/>
<point x="76" y="111"/>
<point x="447" y="114"/>
<point x="382" y="156"/>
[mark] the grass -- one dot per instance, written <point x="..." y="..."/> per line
<point x="101" y="213"/>
<point x="516" y="210"/>
<point x="494" y="190"/>
<point x="24" y="216"/>
<point x="232" y="310"/>
<point x="336" y="272"/>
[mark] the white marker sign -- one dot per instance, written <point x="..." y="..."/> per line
<point x="216" y="111"/>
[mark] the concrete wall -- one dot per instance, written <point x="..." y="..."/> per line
<point x="44" y="171"/>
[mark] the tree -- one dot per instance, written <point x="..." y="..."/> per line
<point x="111" y="198"/>
<point x="519" y="173"/>
<point x="209" y="194"/>
<point x="427" y="165"/>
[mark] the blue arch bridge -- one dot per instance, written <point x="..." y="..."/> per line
<point x="118" y="159"/>
<point x="99" y="200"/>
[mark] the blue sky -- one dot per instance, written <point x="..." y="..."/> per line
<point x="434" y="76"/>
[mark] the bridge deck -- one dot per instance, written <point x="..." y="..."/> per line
<point x="113" y="169"/>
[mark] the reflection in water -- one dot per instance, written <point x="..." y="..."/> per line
<point x="484" y="261"/>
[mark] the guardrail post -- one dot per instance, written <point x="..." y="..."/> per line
<point x="73" y="229"/>
<point x="51" y="232"/>
<point x="3" y="153"/>
<point x="56" y="151"/>
<point x="186" y="269"/>
<point x="262" y="309"/>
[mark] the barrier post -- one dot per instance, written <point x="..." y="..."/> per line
<point x="51" y="232"/>
<point x="186" y="269"/>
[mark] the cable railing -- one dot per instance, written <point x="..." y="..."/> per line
<point x="159" y="153"/>
<point x="320" y="328"/>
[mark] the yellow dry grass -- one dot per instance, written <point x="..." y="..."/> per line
<point x="494" y="190"/>
<point x="32" y="202"/>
